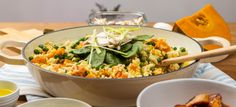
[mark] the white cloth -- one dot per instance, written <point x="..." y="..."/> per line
<point x="20" y="75"/>
<point x="208" y="71"/>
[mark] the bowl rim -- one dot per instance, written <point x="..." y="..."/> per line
<point x="70" y="76"/>
<point x="138" y="101"/>
<point x="14" y="92"/>
<point x="56" y="98"/>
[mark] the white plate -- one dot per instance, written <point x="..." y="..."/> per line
<point x="56" y="102"/>
<point x="179" y="91"/>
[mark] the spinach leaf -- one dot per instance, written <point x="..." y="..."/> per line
<point x="98" y="58"/>
<point x="83" y="50"/>
<point x="115" y="51"/>
<point x="126" y="47"/>
<point x="78" y="42"/>
<point x="112" y="59"/>
<point x="142" y="37"/>
<point x="87" y="57"/>
<point x="137" y="46"/>
<point x="125" y="61"/>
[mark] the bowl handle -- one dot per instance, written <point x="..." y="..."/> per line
<point x="216" y="41"/>
<point x="203" y="41"/>
<point x="16" y="60"/>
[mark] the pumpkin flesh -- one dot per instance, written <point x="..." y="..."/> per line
<point x="204" y="23"/>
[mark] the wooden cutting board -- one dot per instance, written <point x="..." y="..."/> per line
<point x="13" y="34"/>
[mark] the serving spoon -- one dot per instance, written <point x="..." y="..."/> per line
<point x="202" y="55"/>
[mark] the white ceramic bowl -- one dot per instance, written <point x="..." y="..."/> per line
<point x="55" y="102"/>
<point x="10" y="99"/>
<point x="100" y="91"/>
<point x="179" y="91"/>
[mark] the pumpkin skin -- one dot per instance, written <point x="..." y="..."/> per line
<point x="204" y="23"/>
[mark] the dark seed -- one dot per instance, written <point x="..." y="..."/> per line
<point x="31" y="57"/>
<point x="56" y="56"/>
<point x="41" y="46"/>
<point x="45" y="49"/>
<point x="151" y="43"/>
<point x="182" y="49"/>
<point x="36" y="51"/>
<point x="174" y="48"/>
<point x="159" y="59"/>
<point x="55" y="46"/>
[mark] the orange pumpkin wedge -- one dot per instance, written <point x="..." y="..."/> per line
<point x="204" y="23"/>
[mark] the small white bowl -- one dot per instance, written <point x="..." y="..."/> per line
<point x="10" y="99"/>
<point x="179" y="91"/>
<point x="55" y="102"/>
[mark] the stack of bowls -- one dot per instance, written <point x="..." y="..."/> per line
<point x="10" y="99"/>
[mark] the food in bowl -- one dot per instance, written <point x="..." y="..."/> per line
<point x="117" y="18"/>
<point x="104" y="21"/>
<point x="4" y="92"/>
<point x="9" y="93"/>
<point x="181" y="90"/>
<point x="105" y="92"/>
<point x="205" y="100"/>
<point x="112" y="53"/>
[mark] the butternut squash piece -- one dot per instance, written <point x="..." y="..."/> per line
<point x="204" y="23"/>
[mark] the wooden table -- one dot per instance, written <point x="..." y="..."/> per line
<point x="228" y="65"/>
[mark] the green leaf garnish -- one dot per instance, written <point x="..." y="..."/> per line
<point x="83" y="50"/>
<point x="134" y="50"/>
<point x="97" y="59"/>
<point x="142" y="37"/>
<point x="111" y="59"/>
<point x="126" y="47"/>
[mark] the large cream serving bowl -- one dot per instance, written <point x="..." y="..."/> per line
<point x="103" y="92"/>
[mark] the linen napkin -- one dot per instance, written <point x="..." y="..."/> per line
<point x="208" y="71"/>
<point x="20" y="75"/>
<point x="29" y="87"/>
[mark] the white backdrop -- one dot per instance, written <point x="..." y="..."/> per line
<point x="78" y="10"/>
